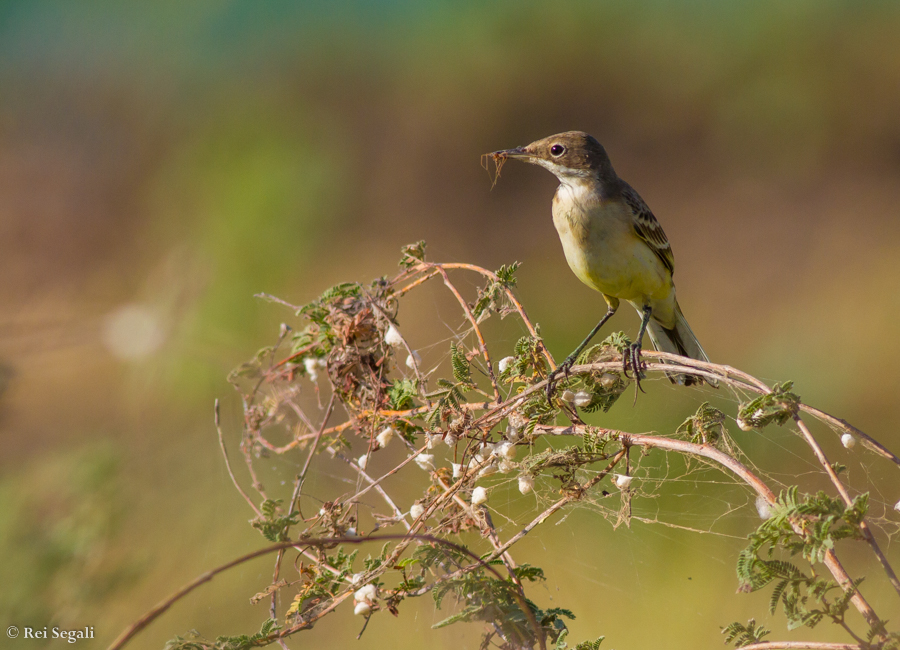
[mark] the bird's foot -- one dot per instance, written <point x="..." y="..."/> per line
<point x="563" y="369"/>
<point x="631" y="358"/>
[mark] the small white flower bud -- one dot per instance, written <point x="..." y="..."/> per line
<point x="365" y="593"/>
<point x="479" y="496"/>
<point x="567" y="396"/>
<point x="487" y="470"/>
<point x="526" y="483"/>
<point x="505" y="450"/>
<point x="362" y="461"/>
<point x="416" y="510"/>
<point x="623" y="481"/>
<point x="517" y="420"/>
<point x="413" y="360"/>
<point x="425" y="461"/>
<point x="362" y="609"/>
<point x="385" y="436"/>
<point x="763" y="507"/>
<point x="608" y="380"/>
<point x="392" y="337"/>
<point x="457" y="469"/>
<point x="504" y="363"/>
<point x="311" y="365"/>
<point x="848" y="440"/>
<point x="582" y="398"/>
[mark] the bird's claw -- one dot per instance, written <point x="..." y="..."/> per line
<point x="632" y="359"/>
<point x="563" y="368"/>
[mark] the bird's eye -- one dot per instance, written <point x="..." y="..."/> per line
<point x="557" y="150"/>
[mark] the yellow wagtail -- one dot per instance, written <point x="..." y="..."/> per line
<point x="614" y="244"/>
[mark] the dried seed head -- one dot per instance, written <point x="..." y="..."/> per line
<point x="763" y="507"/>
<point x="623" y="481"/>
<point x="608" y="380"/>
<point x="392" y="337"/>
<point x="526" y="483"/>
<point x="311" y="365"/>
<point x="487" y="470"/>
<point x="385" y="436"/>
<point x="366" y="593"/>
<point x="582" y="398"/>
<point x="505" y="450"/>
<point x="416" y="510"/>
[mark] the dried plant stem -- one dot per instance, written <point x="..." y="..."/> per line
<point x="863" y="526"/>
<point x="481" y="344"/>
<point x="294" y="506"/>
<point x="161" y="607"/>
<point x="802" y="645"/>
<point x="372" y="484"/>
<point x="228" y="464"/>
<point x="490" y="531"/>
<point x="736" y="467"/>
<point x="430" y="270"/>
<point x="572" y="496"/>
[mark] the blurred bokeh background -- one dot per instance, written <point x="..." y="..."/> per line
<point x="162" y="162"/>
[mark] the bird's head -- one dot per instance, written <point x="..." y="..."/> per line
<point x="572" y="156"/>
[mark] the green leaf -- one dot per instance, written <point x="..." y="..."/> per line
<point x="402" y="394"/>
<point x="467" y="614"/>
<point x="273" y="525"/>
<point x="776" y="407"/>
<point x="706" y="426"/>
<point x="462" y="373"/>
<point x="412" y="254"/>
<point x="742" y="635"/>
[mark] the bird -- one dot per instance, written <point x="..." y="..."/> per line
<point x="615" y="245"/>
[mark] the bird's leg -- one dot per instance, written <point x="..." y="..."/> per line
<point x="632" y="356"/>
<point x="566" y="365"/>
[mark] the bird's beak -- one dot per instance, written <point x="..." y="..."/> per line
<point x="518" y="152"/>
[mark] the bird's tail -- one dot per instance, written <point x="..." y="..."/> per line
<point x="679" y="340"/>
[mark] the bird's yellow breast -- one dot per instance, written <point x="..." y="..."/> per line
<point x="603" y="249"/>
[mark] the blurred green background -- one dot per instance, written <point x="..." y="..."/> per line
<point x="162" y="162"/>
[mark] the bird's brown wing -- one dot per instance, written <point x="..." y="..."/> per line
<point x="647" y="227"/>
